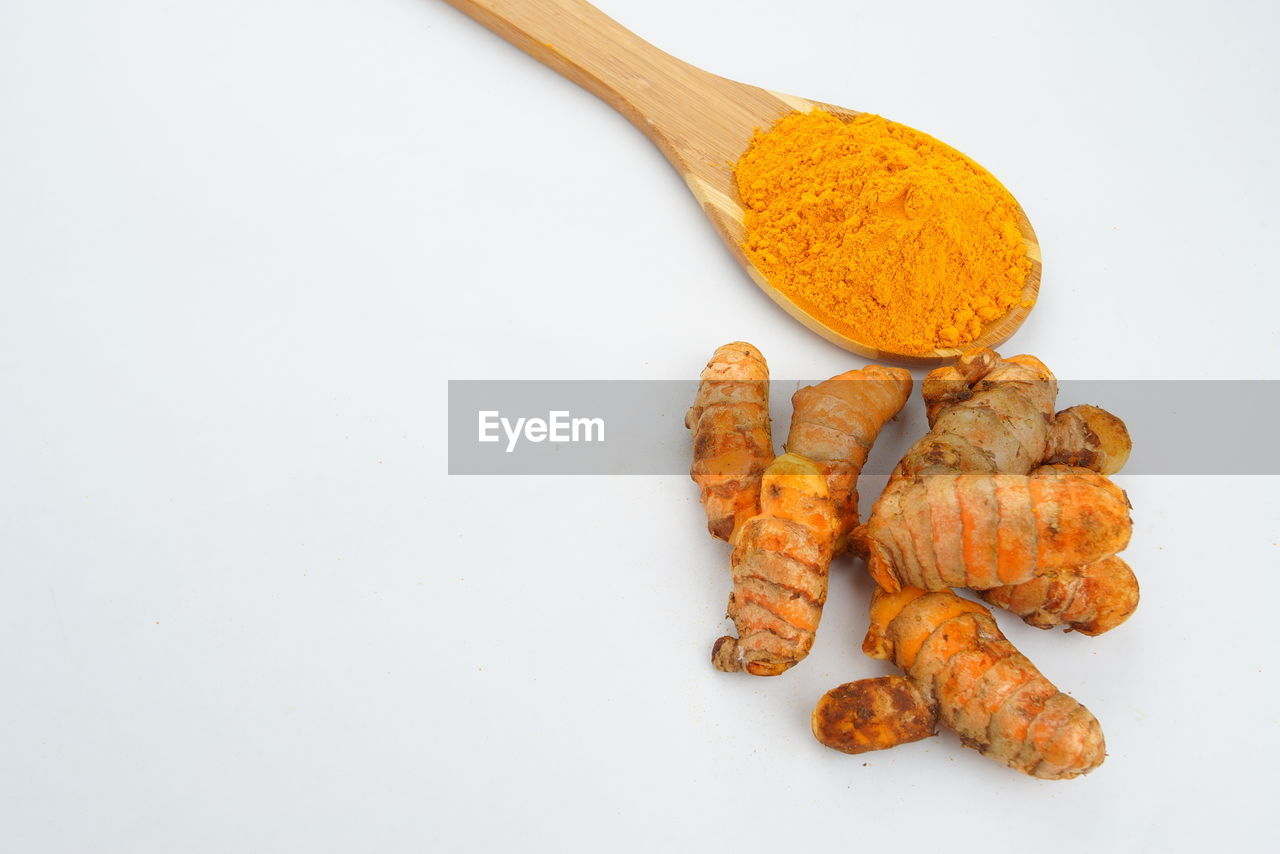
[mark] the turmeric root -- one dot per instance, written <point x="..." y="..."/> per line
<point x="835" y="423"/>
<point x="990" y="530"/>
<point x="990" y="414"/>
<point x="986" y="414"/>
<point x="873" y="714"/>
<point x="780" y="562"/>
<point x="982" y="687"/>
<point x="1090" y="437"/>
<point x="732" y="443"/>
<point x="1090" y="599"/>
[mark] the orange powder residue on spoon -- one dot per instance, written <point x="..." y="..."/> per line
<point x="880" y="229"/>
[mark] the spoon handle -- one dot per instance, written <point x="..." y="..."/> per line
<point x="575" y="38"/>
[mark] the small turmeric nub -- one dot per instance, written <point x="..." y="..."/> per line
<point x="873" y="714"/>
<point x="1089" y="437"/>
<point x="1089" y="599"/>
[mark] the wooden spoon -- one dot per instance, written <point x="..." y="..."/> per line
<point x="702" y="123"/>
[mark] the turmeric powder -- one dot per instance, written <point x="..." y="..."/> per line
<point x="885" y="233"/>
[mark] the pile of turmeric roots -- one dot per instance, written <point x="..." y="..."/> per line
<point x="1003" y="496"/>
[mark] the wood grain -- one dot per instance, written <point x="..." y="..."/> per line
<point x="701" y="122"/>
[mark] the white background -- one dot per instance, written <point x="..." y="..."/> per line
<point x="244" y="244"/>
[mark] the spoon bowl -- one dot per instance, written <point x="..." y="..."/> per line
<point x="702" y="123"/>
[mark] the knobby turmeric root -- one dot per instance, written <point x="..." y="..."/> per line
<point x="981" y="686"/>
<point x="990" y="414"/>
<point x="1090" y="599"/>
<point x="990" y="530"/>
<point x="873" y="714"/>
<point x="836" y="422"/>
<point x="732" y="442"/>
<point x="780" y="562"/>
<point x="1097" y="597"/>
<point x="986" y="414"/>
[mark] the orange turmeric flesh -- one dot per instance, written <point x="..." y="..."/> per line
<point x="885" y="233"/>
